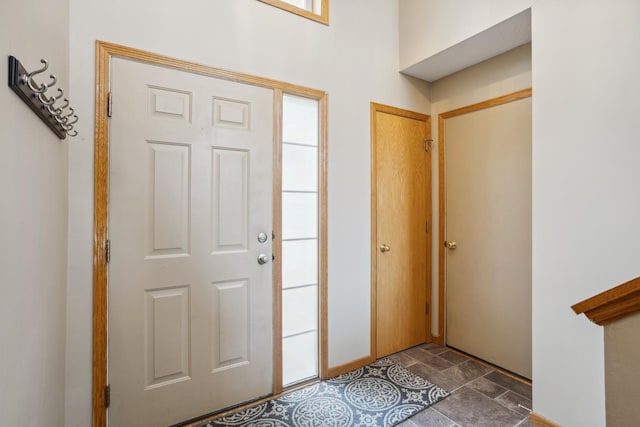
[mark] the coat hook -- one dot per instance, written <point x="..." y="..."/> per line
<point x="66" y="104"/>
<point x="28" y="78"/>
<point x="61" y="91"/>
<point x="53" y="109"/>
<point x="55" y="80"/>
<point x="46" y="101"/>
<point x="56" y="111"/>
<point x="70" y="124"/>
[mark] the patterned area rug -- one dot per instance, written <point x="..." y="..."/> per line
<point x="380" y="394"/>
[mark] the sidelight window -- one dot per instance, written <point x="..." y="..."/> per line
<point x="300" y="238"/>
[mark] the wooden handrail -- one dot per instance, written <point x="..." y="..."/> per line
<point x="612" y="305"/>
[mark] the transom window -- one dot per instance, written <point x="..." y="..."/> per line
<point x="317" y="10"/>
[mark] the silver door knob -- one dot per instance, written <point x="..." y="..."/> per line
<point x="263" y="259"/>
<point x="385" y="248"/>
<point x="262" y="237"/>
<point x="451" y="245"/>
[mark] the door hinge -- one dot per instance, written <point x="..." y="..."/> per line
<point x="107" y="396"/>
<point x="107" y="251"/>
<point x="109" y="104"/>
<point x="426" y="308"/>
<point x="427" y="144"/>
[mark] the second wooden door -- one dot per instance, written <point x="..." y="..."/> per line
<point x="401" y="234"/>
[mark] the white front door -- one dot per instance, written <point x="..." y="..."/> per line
<point x="190" y="306"/>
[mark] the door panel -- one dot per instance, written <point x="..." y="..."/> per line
<point x="488" y="215"/>
<point x="402" y="185"/>
<point x="190" y="308"/>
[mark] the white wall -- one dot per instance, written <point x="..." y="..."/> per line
<point x="501" y="75"/>
<point x="429" y="27"/>
<point x="355" y="59"/>
<point x="33" y="224"/>
<point x="585" y="177"/>
<point x="586" y="237"/>
<point x="622" y="353"/>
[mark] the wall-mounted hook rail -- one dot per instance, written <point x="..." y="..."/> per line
<point x="57" y="117"/>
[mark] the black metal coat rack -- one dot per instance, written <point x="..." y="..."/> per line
<point x="60" y="118"/>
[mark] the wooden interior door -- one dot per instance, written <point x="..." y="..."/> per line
<point x="401" y="252"/>
<point x="190" y="280"/>
<point x="488" y="232"/>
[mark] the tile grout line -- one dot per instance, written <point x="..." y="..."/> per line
<point x="506" y="390"/>
<point x="454" y="423"/>
<point x="491" y="370"/>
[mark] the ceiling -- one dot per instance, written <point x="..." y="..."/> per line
<point x="493" y="41"/>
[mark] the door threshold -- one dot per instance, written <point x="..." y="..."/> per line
<point x="500" y="369"/>
<point x="239" y="407"/>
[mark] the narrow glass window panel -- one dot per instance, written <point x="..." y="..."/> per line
<point x="299" y="168"/>
<point x="299" y="215"/>
<point x="302" y="4"/>
<point x="316" y="10"/>
<point x="300" y="120"/>
<point x="299" y="262"/>
<point x="299" y="310"/>
<point x="299" y="357"/>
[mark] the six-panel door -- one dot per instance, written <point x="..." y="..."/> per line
<point x="190" y="307"/>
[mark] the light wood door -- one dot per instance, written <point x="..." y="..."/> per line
<point x="190" y="307"/>
<point x="401" y="240"/>
<point x="488" y="216"/>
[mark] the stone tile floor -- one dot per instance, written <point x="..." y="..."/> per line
<point x="481" y="396"/>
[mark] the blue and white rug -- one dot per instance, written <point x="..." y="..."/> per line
<point x="380" y="394"/>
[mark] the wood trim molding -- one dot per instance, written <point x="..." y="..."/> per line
<point x="350" y="366"/>
<point x="441" y="233"/>
<point x="104" y="53"/>
<point x="100" y="236"/>
<point x="277" y="242"/>
<point x="429" y="270"/>
<point x="375" y="108"/>
<point x="382" y="108"/>
<point x="109" y="50"/>
<point x="540" y="421"/>
<point x="322" y="18"/>
<point x="323" y="237"/>
<point x="521" y="94"/>
<point x="613" y="304"/>
<point x="500" y="100"/>
<point x="373" y="328"/>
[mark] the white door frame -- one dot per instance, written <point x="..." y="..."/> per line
<point x="104" y="52"/>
